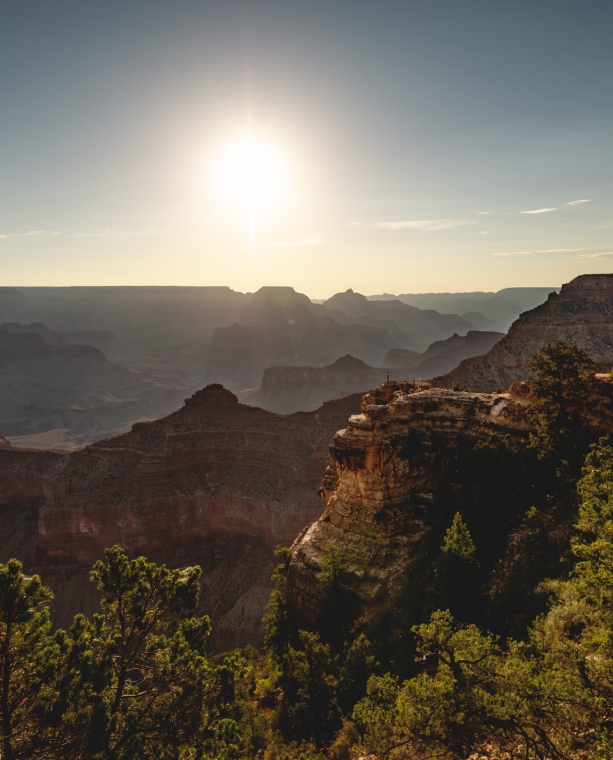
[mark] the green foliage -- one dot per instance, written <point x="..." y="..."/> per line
<point x="359" y="665"/>
<point x="309" y="711"/>
<point x="472" y="698"/>
<point x="132" y="683"/>
<point x="456" y="579"/>
<point x="561" y="380"/>
<point x="578" y="632"/>
<point x="26" y="659"/>
<point x="458" y="544"/>
<point x="276" y="621"/>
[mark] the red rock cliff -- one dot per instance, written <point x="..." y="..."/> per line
<point x="215" y="483"/>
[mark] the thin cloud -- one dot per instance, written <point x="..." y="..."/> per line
<point x="110" y="233"/>
<point x="312" y="240"/>
<point x="546" y="250"/>
<point x="576" y="203"/>
<point x="426" y="224"/>
<point x="5" y="237"/>
<point x="538" y="211"/>
<point x="482" y="213"/>
<point x="36" y="233"/>
<point x="607" y="255"/>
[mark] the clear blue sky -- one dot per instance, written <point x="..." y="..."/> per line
<point x="412" y="134"/>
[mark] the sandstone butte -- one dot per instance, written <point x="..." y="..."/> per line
<point x="216" y="483"/>
<point x="581" y="313"/>
<point x="381" y="478"/>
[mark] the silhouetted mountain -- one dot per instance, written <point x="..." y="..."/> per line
<point x="420" y="327"/>
<point x="502" y="308"/>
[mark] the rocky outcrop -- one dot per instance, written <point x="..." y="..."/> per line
<point x="380" y="482"/>
<point x="215" y="483"/>
<point x="290" y="389"/>
<point x="581" y="313"/>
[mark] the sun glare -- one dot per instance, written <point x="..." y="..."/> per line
<point x="252" y="174"/>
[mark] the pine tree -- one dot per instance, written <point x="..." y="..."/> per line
<point x="456" y="577"/>
<point x="560" y="384"/>
<point x="277" y="637"/>
<point x="26" y="659"/>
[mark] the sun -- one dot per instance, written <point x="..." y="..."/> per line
<point x="252" y="174"/>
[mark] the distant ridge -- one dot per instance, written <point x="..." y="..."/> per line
<point x="582" y="313"/>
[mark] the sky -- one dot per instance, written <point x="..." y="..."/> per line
<point x="414" y="146"/>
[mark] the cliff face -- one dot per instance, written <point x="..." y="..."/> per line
<point x="215" y="483"/>
<point x="582" y="313"/>
<point x="380" y="482"/>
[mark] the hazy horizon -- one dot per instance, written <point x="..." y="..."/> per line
<point x="399" y="147"/>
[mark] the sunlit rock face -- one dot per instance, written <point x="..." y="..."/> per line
<point x="581" y="313"/>
<point x="216" y="483"/>
<point x="380" y="481"/>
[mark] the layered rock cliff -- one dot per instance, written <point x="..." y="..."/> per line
<point x="581" y="313"/>
<point x="385" y="467"/>
<point x="215" y="483"/>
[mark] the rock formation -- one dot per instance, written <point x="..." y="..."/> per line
<point x="582" y="313"/>
<point x="380" y="482"/>
<point x="290" y="389"/>
<point x="278" y="326"/>
<point x="215" y="483"/>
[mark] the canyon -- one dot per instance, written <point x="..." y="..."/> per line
<point x="216" y="483"/>
<point x="155" y="345"/>
<point x="55" y="381"/>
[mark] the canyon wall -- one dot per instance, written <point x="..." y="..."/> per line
<point x="216" y="483"/>
<point x="581" y="313"/>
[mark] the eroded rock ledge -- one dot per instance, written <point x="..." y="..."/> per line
<point x="380" y="480"/>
